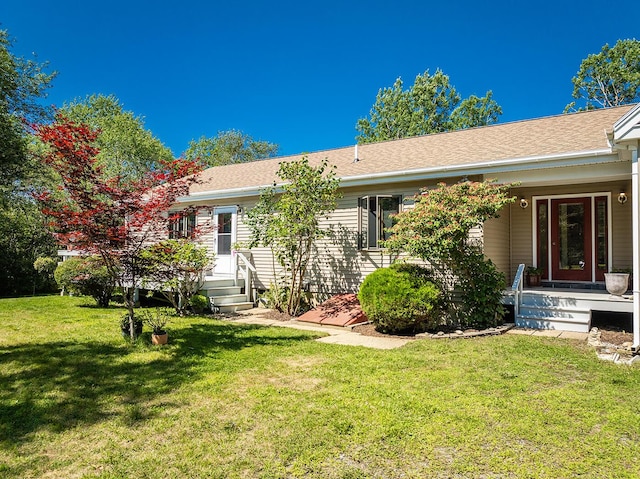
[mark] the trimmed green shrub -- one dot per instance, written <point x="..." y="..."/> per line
<point x="86" y="276"/>
<point x="46" y="266"/>
<point x="174" y="267"/>
<point x="198" y="303"/>
<point x="481" y="287"/>
<point x="401" y="299"/>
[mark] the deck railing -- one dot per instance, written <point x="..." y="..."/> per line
<point x="244" y="269"/>
<point x="517" y="289"/>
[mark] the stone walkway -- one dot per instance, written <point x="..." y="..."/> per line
<point x="335" y="334"/>
<point x="550" y="333"/>
<point x="345" y="336"/>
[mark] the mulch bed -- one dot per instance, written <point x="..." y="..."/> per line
<point x="615" y="336"/>
<point x="610" y="334"/>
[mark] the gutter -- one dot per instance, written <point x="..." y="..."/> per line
<point x="595" y="156"/>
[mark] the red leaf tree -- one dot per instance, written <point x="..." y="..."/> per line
<point x="111" y="217"/>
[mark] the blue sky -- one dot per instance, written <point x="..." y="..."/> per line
<point x="300" y="73"/>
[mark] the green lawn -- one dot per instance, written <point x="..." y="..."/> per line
<point x="231" y="401"/>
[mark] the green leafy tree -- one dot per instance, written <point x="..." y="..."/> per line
<point x="229" y="147"/>
<point x="286" y="219"/>
<point x="23" y="238"/>
<point x="22" y="83"/>
<point x="609" y="78"/>
<point x="127" y="149"/>
<point x="437" y="230"/>
<point x="430" y="105"/>
<point x="175" y="268"/>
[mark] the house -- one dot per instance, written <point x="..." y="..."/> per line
<point x="572" y="218"/>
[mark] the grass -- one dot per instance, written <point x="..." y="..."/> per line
<point x="231" y="401"/>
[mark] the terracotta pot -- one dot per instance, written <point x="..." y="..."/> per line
<point x="159" y="338"/>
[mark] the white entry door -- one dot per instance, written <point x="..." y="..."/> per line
<point x="224" y="236"/>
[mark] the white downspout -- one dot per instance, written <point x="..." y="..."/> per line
<point x="635" y="197"/>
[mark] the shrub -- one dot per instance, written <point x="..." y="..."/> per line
<point x="86" y="276"/>
<point x="46" y="266"/>
<point x="438" y="230"/>
<point x="277" y="297"/>
<point x="401" y="298"/>
<point x="157" y="319"/>
<point x="481" y="287"/>
<point x="174" y="267"/>
<point x="198" y="303"/>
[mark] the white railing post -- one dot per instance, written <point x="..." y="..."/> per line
<point x="245" y="267"/>
<point x="517" y="288"/>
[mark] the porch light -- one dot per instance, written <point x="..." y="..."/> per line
<point x="523" y="203"/>
<point x="622" y="198"/>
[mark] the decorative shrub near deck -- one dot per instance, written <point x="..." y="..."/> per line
<point x="401" y="299"/>
<point x="86" y="276"/>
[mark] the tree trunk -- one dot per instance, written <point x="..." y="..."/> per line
<point x="130" y="304"/>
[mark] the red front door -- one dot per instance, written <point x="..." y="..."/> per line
<point x="571" y="239"/>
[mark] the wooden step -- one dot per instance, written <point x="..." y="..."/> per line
<point x="231" y="307"/>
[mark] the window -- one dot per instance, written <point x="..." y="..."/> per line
<point x="224" y="233"/>
<point x="375" y="215"/>
<point x="182" y="226"/>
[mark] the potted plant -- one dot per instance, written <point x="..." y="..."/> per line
<point x="124" y="326"/>
<point x="617" y="282"/>
<point x="157" y="320"/>
<point x="534" y="275"/>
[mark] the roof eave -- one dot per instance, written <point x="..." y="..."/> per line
<point x="605" y="155"/>
<point x="486" y="167"/>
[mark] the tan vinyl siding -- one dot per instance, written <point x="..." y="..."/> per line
<point x="497" y="239"/>
<point x="621" y="229"/>
<point x="337" y="264"/>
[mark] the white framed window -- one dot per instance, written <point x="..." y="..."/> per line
<point x="182" y="226"/>
<point x="375" y="214"/>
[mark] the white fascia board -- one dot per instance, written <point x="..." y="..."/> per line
<point x="628" y="122"/>
<point x="485" y="168"/>
<point x="632" y="134"/>
<point x="570" y="175"/>
<point x="223" y="194"/>
<point x="436" y="172"/>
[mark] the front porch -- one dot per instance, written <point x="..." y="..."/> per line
<point x="565" y="306"/>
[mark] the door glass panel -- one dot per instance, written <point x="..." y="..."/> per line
<point x="571" y="241"/>
<point x="601" y="233"/>
<point x="224" y="233"/>
<point x="543" y="237"/>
